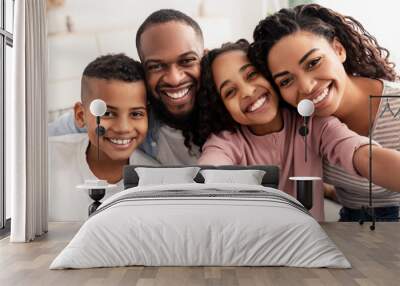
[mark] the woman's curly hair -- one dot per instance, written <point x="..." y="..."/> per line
<point x="212" y="115"/>
<point x="364" y="55"/>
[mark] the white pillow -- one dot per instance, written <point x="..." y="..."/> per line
<point x="248" y="177"/>
<point x="164" y="176"/>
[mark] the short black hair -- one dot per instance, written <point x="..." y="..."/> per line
<point x="112" y="67"/>
<point x="165" y="16"/>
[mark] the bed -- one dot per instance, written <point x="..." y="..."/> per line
<point x="206" y="221"/>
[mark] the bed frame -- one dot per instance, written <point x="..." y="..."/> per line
<point x="270" y="179"/>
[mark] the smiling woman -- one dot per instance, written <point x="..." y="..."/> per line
<point x="316" y="53"/>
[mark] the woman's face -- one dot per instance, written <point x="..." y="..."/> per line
<point x="246" y="94"/>
<point x="307" y="66"/>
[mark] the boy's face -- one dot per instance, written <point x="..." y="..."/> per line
<point x="125" y="120"/>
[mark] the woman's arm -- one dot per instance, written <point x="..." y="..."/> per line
<point x="385" y="166"/>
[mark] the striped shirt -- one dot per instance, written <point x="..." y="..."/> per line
<point x="353" y="191"/>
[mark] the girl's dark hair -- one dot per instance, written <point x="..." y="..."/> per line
<point x="212" y="116"/>
<point x="364" y="55"/>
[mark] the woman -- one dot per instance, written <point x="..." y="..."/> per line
<point x="312" y="52"/>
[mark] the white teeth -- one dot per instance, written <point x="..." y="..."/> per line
<point x="178" y="94"/>
<point x="120" y="141"/>
<point x="321" y="96"/>
<point x="256" y="105"/>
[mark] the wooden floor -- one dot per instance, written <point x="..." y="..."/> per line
<point x="374" y="255"/>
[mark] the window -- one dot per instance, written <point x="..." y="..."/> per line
<point x="6" y="44"/>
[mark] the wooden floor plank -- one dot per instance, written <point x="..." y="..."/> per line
<point x="374" y="255"/>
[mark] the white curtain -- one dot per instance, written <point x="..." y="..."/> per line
<point x="26" y="127"/>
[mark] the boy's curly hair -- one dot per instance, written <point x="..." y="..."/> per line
<point x="112" y="67"/>
<point x="364" y="55"/>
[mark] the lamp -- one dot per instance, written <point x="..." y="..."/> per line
<point x="306" y="109"/>
<point x="98" y="108"/>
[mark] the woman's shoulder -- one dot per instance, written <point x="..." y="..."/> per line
<point x="391" y="87"/>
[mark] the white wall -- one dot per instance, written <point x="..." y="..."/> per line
<point x="379" y="18"/>
<point x="103" y="26"/>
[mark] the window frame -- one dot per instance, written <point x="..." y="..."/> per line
<point x="6" y="39"/>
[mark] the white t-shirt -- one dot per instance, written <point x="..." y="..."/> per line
<point x="68" y="168"/>
<point x="172" y="150"/>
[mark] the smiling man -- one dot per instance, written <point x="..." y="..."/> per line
<point x="170" y="45"/>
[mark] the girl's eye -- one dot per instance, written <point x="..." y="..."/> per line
<point x="230" y="92"/>
<point x="313" y="63"/>
<point x="252" y="75"/>
<point x="137" y="114"/>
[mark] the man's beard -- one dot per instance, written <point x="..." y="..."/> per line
<point x="182" y="122"/>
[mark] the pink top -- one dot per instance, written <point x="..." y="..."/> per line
<point x="328" y="138"/>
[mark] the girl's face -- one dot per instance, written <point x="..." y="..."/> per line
<point x="246" y="94"/>
<point x="125" y="119"/>
<point x="306" y="66"/>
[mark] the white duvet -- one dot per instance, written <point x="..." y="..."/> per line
<point x="200" y="224"/>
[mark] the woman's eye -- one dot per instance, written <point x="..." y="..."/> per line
<point x="313" y="63"/>
<point x="284" y="82"/>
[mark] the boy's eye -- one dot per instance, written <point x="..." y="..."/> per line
<point x="109" y="114"/>
<point x="313" y="63"/>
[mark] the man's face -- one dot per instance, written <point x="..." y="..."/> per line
<point x="171" y="53"/>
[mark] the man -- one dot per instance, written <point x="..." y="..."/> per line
<point x="170" y="45"/>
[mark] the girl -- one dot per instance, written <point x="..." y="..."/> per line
<point x="238" y="106"/>
<point x="315" y="53"/>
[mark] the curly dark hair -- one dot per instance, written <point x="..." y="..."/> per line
<point x="165" y="16"/>
<point x="212" y="115"/>
<point x="112" y="66"/>
<point x="364" y="55"/>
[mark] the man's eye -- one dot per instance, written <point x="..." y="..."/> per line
<point x="188" y="61"/>
<point x="313" y="63"/>
<point x="154" y="67"/>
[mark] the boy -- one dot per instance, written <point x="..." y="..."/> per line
<point x="119" y="82"/>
